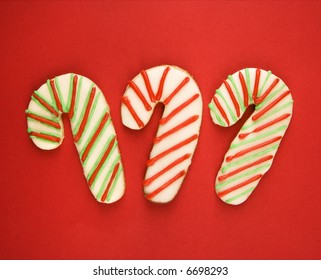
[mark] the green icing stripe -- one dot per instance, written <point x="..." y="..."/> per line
<point x="92" y="112"/>
<point x="239" y="195"/>
<point x="271" y="96"/>
<point x="40" y="95"/>
<point x="101" y="156"/>
<point x="267" y="116"/>
<point x="71" y="85"/>
<point x="48" y="133"/>
<point x="39" y="104"/>
<point x="221" y="185"/>
<point x="98" y="138"/>
<point x="45" y="124"/>
<point x="266" y="79"/>
<point x="103" y="185"/>
<point x="77" y="100"/>
<point x="56" y="120"/>
<point x="249" y="123"/>
<point x="106" y="161"/>
<point x="248" y="84"/>
<point x="83" y="110"/>
<point x="240" y="100"/>
<point x="251" y="157"/>
<point x="211" y="106"/>
<point x="111" y="191"/>
<point x="232" y="114"/>
<point x="42" y="139"/>
<point x="53" y="101"/>
<point x="94" y="131"/>
<point x="60" y="95"/>
<point x="235" y="145"/>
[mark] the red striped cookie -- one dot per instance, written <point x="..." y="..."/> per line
<point x="252" y="151"/>
<point x="92" y="129"/>
<point x="178" y="131"/>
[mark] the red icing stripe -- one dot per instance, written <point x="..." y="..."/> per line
<point x="140" y="95"/>
<point x="235" y="103"/>
<point x="161" y="84"/>
<point x="256" y="84"/>
<point x="178" y="109"/>
<point x="45" y="104"/>
<point x="179" y="87"/>
<point x="225" y="176"/>
<point x="85" y="119"/>
<point x="53" y="87"/>
<point x="259" y="128"/>
<point x="148" y="86"/>
<point x="243" y="152"/>
<point x="240" y="185"/>
<point x="170" y="166"/>
<point x="104" y="196"/>
<point x="73" y="96"/>
<point x="219" y="107"/>
<point x="271" y="105"/>
<point x="45" y="136"/>
<point x="43" y="120"/>
<point x="126" y="101"/>
<point x="266" y="93"/>
<point x="167" y="184"/>
<point x="176" y="128"/>
<point x="172" y="149"/>
<point x="244" y="89"/>
<point x="94" y="174"/>
<point x="93" y="139"/>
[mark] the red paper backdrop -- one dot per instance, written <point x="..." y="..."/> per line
<point x="47" y="211"/>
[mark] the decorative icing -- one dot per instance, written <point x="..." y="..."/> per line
<point x="251" y="153"/>
<point x="178" y="131"/>
<point x="92" y="128"/>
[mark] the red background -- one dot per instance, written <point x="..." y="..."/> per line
<point x="47" y="211"/>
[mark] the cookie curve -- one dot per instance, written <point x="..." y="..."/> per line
<point x="91" y="129"/>
<point x="169" y="171"/>
<point x="253" y="150"/>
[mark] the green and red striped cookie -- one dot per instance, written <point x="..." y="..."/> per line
<point x="92" y="129"/>
<point x="252" y="151"/>
<point x="178" y="131"/>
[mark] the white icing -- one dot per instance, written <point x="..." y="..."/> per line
<point x="173" y="79"/>
<point x="95" y="115"/>
<point x="265" y="134"/>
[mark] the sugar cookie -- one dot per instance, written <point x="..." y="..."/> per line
<point x="251" y="153"/>
<point x="92" y="129"/>
<point x="178" y="131"/>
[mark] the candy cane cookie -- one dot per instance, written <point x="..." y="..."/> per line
<point x="252" y="151"/>
<point x="93" y="131"/>
<point x="178" y="130"/>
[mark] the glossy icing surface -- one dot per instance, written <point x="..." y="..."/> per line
<point x="252" y="152"/>
<point x="178" y="130"/>
<point x="92" y="129"/>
